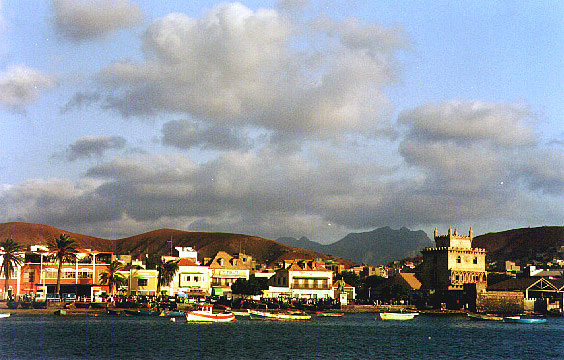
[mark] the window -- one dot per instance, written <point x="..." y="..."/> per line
<point x="142" y="282"/>
<point x="29" y="276"/>
<point x="475" y="260"/>
<point x="458" y="259"/>
<point x="220" y="262"/>
<point x="456" y="277"/>
<point x="196" y="278"/>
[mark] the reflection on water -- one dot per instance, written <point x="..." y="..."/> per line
<point x="354" y="336"/>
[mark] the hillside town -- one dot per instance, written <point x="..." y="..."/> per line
<point x="452" y="276"/>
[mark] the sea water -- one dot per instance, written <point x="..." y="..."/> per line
<point x="354" y="336"/>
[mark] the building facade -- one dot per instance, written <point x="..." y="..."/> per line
<point x="453" y="263"/>
<point x="302" y="279"/>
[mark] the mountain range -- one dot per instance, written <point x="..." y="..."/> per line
<point x="379" y="246"/>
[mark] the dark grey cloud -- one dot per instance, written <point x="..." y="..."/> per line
<point x="85" y="20"/>
<point x="89" y="146"/>
<point x="80" y="100"/>
<point x="186" y="134"/>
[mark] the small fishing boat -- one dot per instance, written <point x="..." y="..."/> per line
<point x="204" y="313"/>
<point x="278" y="315"/>
<point x="484" y="317"/>
<point x="329" y="313"/>
<point x="523" y="320"/>
<point x="139" y="312"/>
<point x="172" y="313"/>
<point x="4" y="315"/>
<point x="398" y="315"/>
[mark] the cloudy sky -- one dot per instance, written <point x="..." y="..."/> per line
<point x="289" y="118"/>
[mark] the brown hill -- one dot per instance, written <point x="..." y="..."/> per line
<point x="522" y="244"/>
<point x="36" y="234"/>
<point x="159" y="242"/>
<point x="208" y="244"/>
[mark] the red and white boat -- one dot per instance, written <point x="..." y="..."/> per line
<point x="205" y="313"/>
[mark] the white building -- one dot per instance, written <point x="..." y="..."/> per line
<point x="302" y="279"/>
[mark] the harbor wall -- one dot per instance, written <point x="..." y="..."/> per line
<point x="508" y="302"/>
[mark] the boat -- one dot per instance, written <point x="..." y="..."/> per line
<point x="278" y="315"/>
<point x="113" y="312"/>
<point x="398" y="315"/>
<point x="60" y="312"/>
<point x="523" y="320"/>
<point x="484" y="317"/>
<point x="138" y="312"/>
<point x="4" y="315"/>
<point x="328" y="313"/>
<point x="99" y="305"/>
<point x="204" y="313"/>
<point x="172" y="313"/>
<point x="240" y="312"/>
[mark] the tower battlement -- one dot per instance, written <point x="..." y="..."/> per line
<point x="453" y="239"/>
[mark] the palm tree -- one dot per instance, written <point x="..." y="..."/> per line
<point x="64" y="248"/>
<point x="167" y="271"/>
<point x="10" y="260"/>
<point x="112" y="277"/>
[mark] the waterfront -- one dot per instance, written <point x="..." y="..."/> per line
<point x="354" y="336"/>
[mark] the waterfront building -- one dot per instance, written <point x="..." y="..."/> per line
<point x="37" y="276"/>
<point x="226" y="269"/>
<point x="307" y="279"/>
<point x="191" y="280"/>
<point x="343" y="291"/>
<point x="141" y="281"/>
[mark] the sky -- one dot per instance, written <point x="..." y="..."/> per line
<point x="281" y="118"/>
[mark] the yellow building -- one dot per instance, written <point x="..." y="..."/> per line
<point x="141" y="281"/>
<point x="453" y="263"/>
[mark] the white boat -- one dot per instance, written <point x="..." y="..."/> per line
<point x="398" y="315"/>
<point x="278" y="315"/>
<point x="4" y="315"/>
<point x="205" y="313"/>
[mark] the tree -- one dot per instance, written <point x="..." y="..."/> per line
<point x="112" y="277"/>
<point x="167" y="271"/>
<point x="64" y="249"/>
<point x="253" y="286"/>
<point x="10" y="259"/>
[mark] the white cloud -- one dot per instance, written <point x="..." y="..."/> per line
<point x="243" y="68"/>
<point x="84" y="20"/>
<point x="185" y="134"/>
<point x="20" y="86"/>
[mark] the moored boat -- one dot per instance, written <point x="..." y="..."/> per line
<point x="328" y="313"/>
<point x="138" y="312"/>
<point x="60" y="312"/>
<point x="523" y="320"/>
<point x="172" y="313"/>
<point x="484" y="317"/>
<point x="398" y="315"/>
<point x="204" y="313"/>
<point x="4" y="315"/>
<point x="278" y="315"/>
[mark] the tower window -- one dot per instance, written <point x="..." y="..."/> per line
<point x="458" y="259"/>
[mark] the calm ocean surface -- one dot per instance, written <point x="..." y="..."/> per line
<point x="354" y="336"/>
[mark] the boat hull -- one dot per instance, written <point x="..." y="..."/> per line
<point x="484" y="317"/>
<point x="204" y="316"/>
<point x="4" y="315"/>
<point x="398" y="316"/>
<point x="265" y="315"/>
<point x="520" y="320"/>
<point x="332" y="314"/>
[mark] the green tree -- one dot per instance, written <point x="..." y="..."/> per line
<point x="350" y="278"/>
<point x="167" y="271"/>
<point x="64" y="249"/>
<point x="253" y="286"/>
<point x="112" y="277"/>
<point x="10" y="259"/>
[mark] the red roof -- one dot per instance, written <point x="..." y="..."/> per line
<point x="187" y="262"/>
